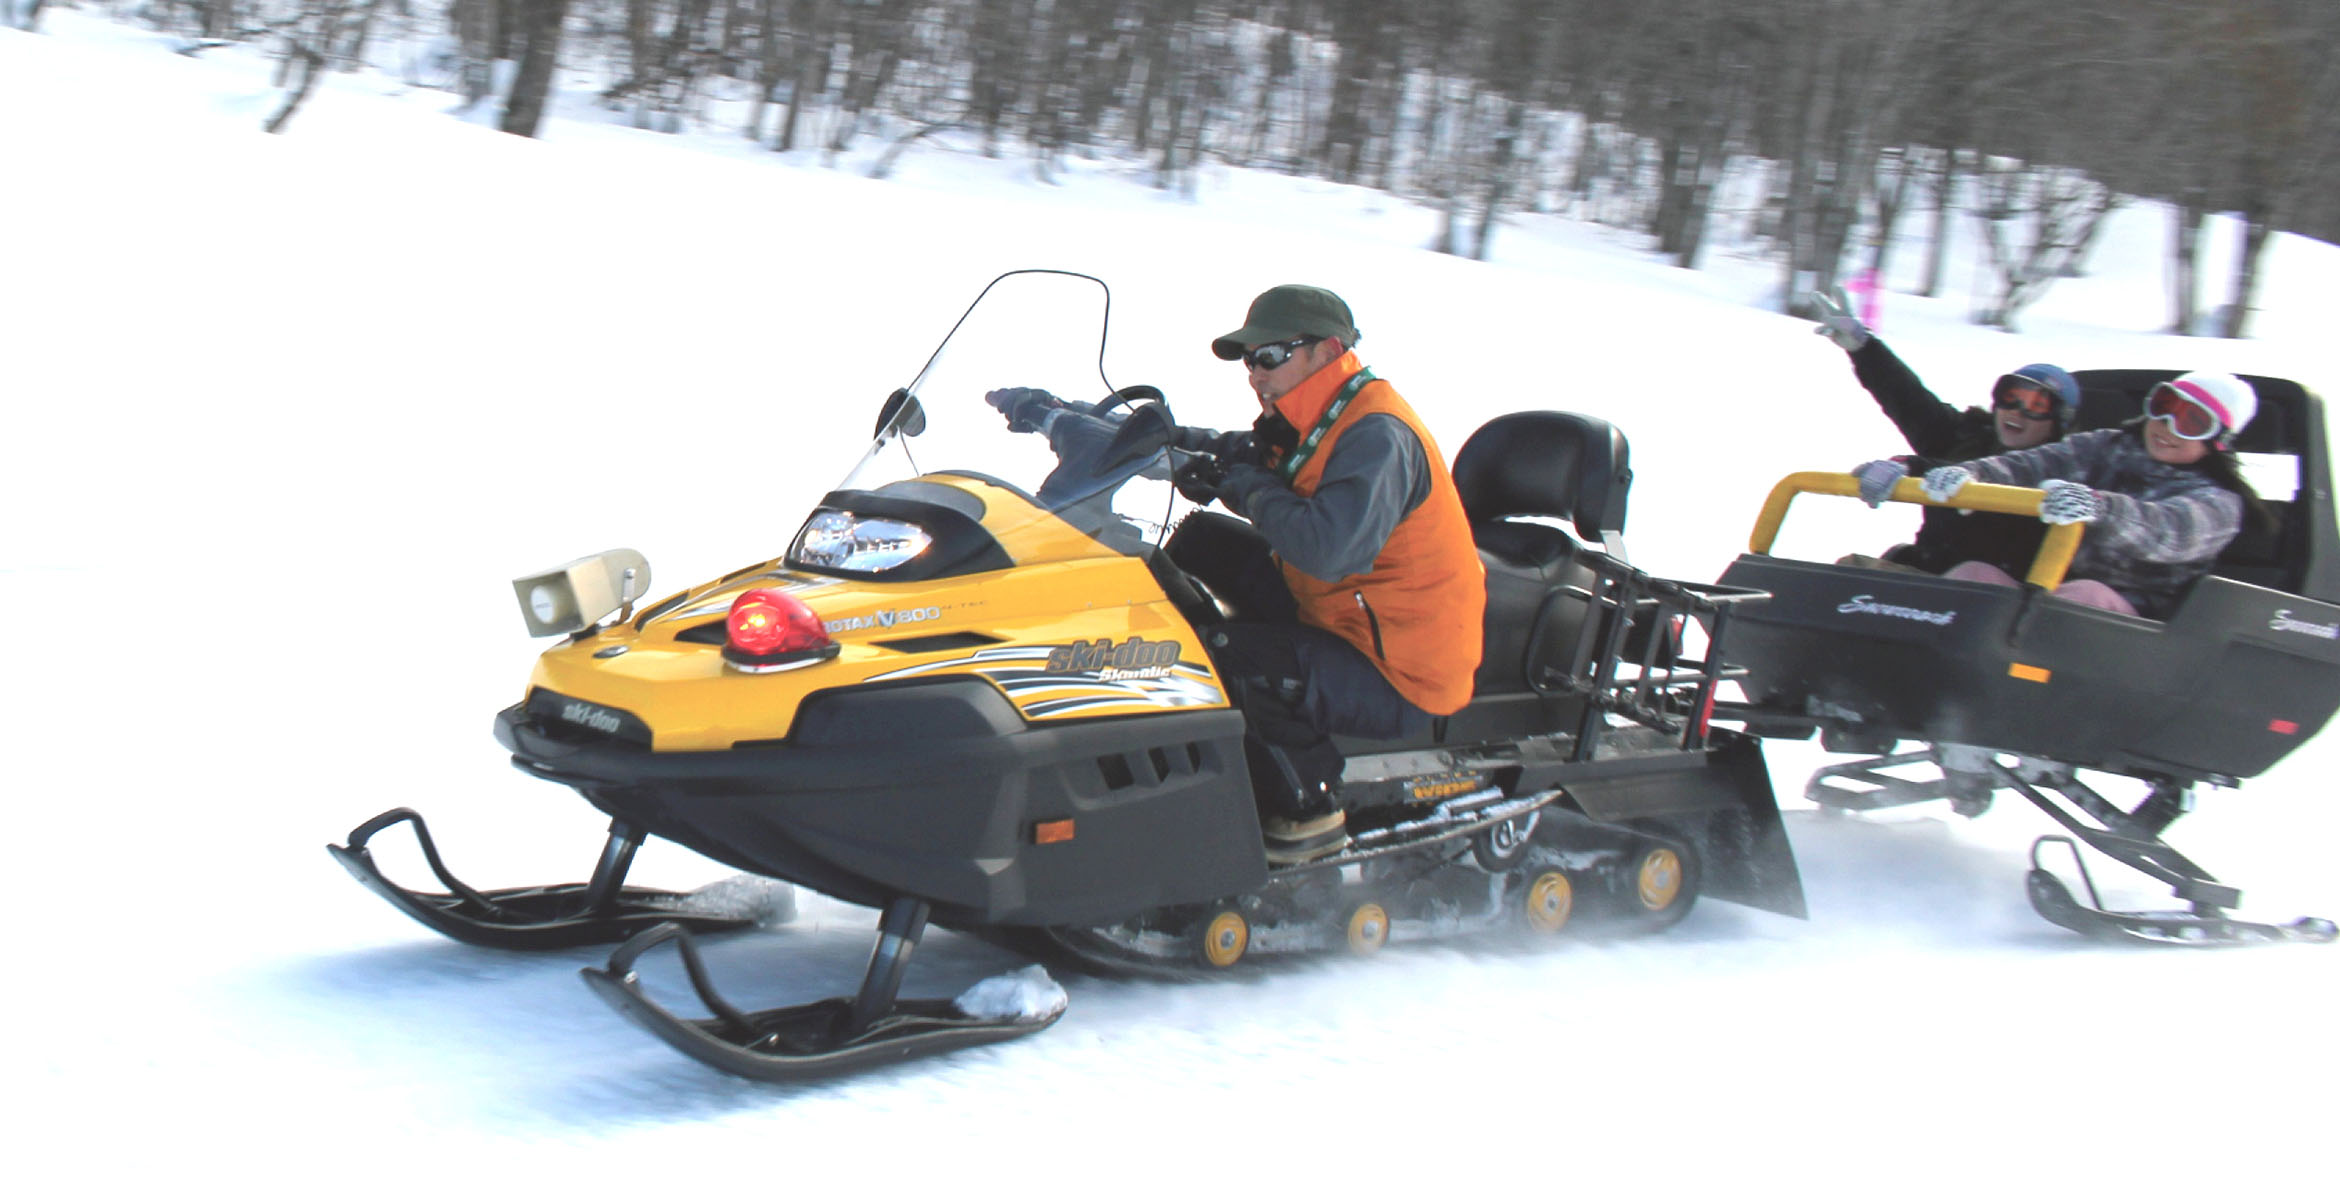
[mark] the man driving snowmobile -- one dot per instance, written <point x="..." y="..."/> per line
<point x="1355" y="589"/>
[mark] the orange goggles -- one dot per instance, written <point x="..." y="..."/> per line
<point x="2188" y="416"/>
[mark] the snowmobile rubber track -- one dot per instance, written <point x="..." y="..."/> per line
<point x="836" y="1036"/>
<point x="1100" y="951"/>
<point x="549" y="917"/>
<point x="1164" y="954"/>
<point x="2203" y="927"/>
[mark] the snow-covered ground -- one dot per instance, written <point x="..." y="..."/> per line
<point x="284" y="414"/>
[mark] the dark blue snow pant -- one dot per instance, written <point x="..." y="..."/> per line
<point x="1296" y="684"/>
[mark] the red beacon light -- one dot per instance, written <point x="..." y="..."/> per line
<point x="771" y="630"/>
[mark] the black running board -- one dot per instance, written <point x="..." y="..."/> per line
<point x="836" y="1036"/>
<point x="2205" y="926"/>
<point x="550" y="917"/>
<point x="1882" y="791"/>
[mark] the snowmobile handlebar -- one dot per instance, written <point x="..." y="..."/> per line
<point x="2047" y="569"/>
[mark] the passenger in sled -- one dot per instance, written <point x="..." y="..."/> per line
<point x="2162" y="495"/>
<point x="2030" y="406"/>
<point x="1355" y="589"/>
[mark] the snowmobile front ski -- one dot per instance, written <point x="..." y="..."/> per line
<point x="551" y="917"/>
<point x="2204" y="925"/>
<point x="835" y="1036"/>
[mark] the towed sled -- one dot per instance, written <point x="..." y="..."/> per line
<point x="978" y="698"/>
<point x="2015" y="690"/>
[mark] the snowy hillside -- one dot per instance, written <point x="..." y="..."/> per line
<point x="286" y="413"/>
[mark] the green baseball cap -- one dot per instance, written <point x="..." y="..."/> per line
<point x="1292" y="310"/>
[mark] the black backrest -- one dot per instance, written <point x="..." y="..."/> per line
<point x="1562" y="465"/>
<point x="2302" y="554"/>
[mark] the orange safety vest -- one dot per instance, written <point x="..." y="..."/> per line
<point x="1417" y="612"/>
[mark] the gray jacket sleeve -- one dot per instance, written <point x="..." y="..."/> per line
<point x="2186" y="528"/>
<point x="1378" y="472"/>
<point x="2066" y="459"/>
<point x="2152" y="513"/>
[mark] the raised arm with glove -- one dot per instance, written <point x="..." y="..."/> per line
<point x="1837" y="323"/>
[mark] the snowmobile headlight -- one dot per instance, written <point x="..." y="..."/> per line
<point x="848" y="541"/>
<point x="574" y="595"/>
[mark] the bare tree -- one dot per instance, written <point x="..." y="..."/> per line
<point x="1859" y="113"/>
<point x="482" y="38"/>
<point x="540" y="48"/>
<point x="2291" y="81"/>
<point x="812" y="36"/>
<point x="2036" y="224"/>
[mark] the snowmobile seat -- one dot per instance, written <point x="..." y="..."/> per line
<point x="1524" y="479"/>
<point x="1549" y="467"/>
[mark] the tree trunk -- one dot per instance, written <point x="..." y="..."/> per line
<point x="1891" y="195"/>
<point x="540" y="40"/>
<point x="351" y="51"/>
<point x="767" y="66"/>
<point x="811" y="77"/>
<point x="2057" y="211"/>
<point x="1938" y="241"/>
<point x="310" y="64"/>
<point x="877" y="50"/>
<point x="2257" y="228"/>
<point x="477" y="31"/>
<point x="2185" y="263"/>
<point x="1499" y="176"/>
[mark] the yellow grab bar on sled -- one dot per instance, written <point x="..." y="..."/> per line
<point x="2047" y="569"/>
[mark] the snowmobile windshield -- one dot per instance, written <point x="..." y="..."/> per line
<point x="1013" y="424"/>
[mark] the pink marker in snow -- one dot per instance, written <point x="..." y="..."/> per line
<point x="1863" y="285"/>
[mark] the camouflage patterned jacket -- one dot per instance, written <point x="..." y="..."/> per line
<point x="2161" y="528"/>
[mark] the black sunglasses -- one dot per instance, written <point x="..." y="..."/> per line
<point x="2031" y="401"/>
<point x="1275" y="354"/>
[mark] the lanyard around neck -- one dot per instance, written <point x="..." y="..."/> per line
<point x="1289" y="469"/>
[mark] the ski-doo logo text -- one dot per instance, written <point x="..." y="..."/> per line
<point x="577" y="712"/>
<point x="1868" y="604"/>
<point x="2284" y="622"/>
<point x="1136" y="658"/>
<point x="886" y="619"/>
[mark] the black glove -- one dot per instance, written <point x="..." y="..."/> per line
<point x="1230" y="447"/>
<point x="1025" y="408"/>
<point x="1272" y="432"/>
<point x="1199" y="477"/>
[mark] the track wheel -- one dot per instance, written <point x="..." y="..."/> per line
<point x="1657" y="881"/>
<point x="1368" y="928"/>
<point x="1658" y="886"/>
<point x="1500" y="846"/>
<point x="1221" y="938"/>
<point x="1549" y="900"/>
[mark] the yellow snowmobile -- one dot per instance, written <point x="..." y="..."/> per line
<point x="978" y="698"/>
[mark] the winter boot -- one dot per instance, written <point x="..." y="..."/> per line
<point x="1302" y="839"/>
<point x="1300" y="815"/>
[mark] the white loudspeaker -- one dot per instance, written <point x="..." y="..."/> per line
<point x="569" y="597"/>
